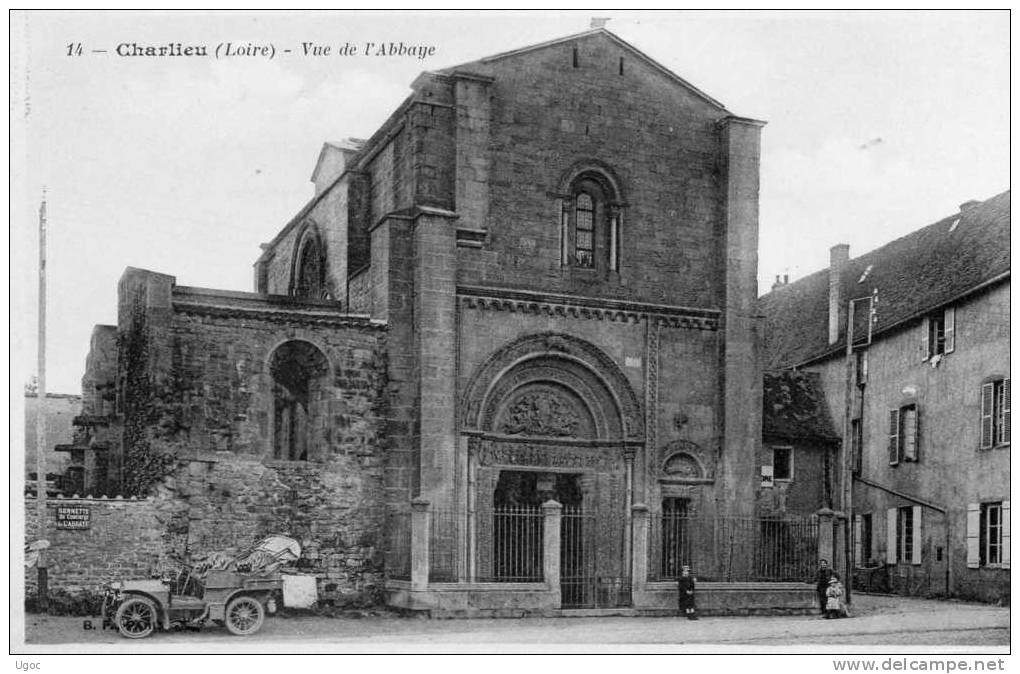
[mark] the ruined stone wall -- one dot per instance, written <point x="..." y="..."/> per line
<point x="200" y="421"/>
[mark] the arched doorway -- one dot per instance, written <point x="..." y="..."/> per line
<point x="550" y="417"/>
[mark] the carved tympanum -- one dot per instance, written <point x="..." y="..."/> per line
<point x="682" y="464"/>
<point x="541" y="413"/>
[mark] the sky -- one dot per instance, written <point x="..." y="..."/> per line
<point x="878" y="123"/>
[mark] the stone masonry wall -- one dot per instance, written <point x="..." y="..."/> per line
<point x="204" y="412"/>
<point x="659" y="139"/>
<point x="123" y="541"/>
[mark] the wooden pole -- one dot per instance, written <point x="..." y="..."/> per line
<point x="40" y="416"/>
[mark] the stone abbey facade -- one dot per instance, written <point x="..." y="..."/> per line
<point x="534" y="286"/>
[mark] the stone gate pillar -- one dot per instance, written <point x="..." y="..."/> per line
<point x="826" y="536"/>
<point x="421" y="525"/>
<point x="552" y="516"/>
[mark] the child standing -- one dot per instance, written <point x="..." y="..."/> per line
<point x="685" y="593"/>
<point x="834" y="599"/>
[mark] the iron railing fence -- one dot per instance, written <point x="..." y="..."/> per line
<point x="733" y="549"/>
<point x="584" y="580"/>
<point x="398" y="545"/>
<point x="510" y="547"/>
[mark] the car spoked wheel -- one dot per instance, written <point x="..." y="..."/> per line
<point x="136" y="618"/>
<point x="244" y="616"/>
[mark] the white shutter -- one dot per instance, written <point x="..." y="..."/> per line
<point x="987" y="396"/>
<point x="924" y="338"/>
<point x="894" y="437"/>
<point x="890" y="536"/>
<point x="915" y="553"/>
<point x="1004" y="414"/>
<point x="857" y="541"/>
<point x="973" y="535"/>
<point x="1005" y="534"/>
<point x="950" y="329"/>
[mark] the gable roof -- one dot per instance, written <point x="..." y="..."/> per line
<point x="913" y="275"/>
<point x="793" y="407"/>
<point x="580" y="36"/>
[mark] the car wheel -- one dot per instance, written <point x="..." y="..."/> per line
<point x="136" y="618"/>
<point x="244" y="616"/>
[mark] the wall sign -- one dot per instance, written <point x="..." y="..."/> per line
<point x="74" y="517"/>
<point x="766" y="476"/>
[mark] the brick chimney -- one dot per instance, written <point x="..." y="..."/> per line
<point x="839" y="255"/>
<point x="780" y="283"/>
<point x="967" y="205"/>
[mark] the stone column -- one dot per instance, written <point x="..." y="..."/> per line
<point x="639" y="552"/>
<point x="552" y="513"/>
<point x="421" y="525"/>
<point x="826" y="538"/>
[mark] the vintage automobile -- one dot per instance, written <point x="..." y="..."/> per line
<point x="238" y="594"/>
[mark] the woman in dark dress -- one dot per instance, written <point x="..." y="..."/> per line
<point x="685" y="593"/>
<point x="825" y="574"/>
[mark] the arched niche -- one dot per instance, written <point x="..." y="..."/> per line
<point x="300" y="382"/>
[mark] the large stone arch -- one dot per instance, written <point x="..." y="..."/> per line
<point x="584" y="388"/>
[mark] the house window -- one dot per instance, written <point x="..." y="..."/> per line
<point x="782" y="463"/>
<point x="903" y="434"/>
<point x="904" y="534"/>
<point x="995" y="413"/>
<point x="991" y="533"/>
<point x="988" y="534"/>
<point x="938" y="333"/>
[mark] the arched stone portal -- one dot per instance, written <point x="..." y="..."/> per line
<point x="299" y="378"/>
<point x="550" y="416"/>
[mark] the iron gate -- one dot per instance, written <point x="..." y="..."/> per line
<point x="584" y="582"/>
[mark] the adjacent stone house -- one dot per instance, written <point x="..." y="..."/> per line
<point x="923" y="397"/>
<point x="800" y="444"/>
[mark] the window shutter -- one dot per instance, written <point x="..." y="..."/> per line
<point x="987" y="393"/>
<point x="890" y="536"/>
<point x="915" y="553"/>
<point x="1004" y="420"/>
<point x="917" y="435"/>
<point x="950" y="329"/>
<point x="894" y="437"/>
<point x="857" y="541"/>
<point x="925" y="328"/>
<point x="973" y="535"/>
<point x="1005" y="534"/>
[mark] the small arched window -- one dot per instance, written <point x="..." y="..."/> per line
<point x="584" y="231"/>
<point x="590" y="225"/>
<point x="309" y="272"/>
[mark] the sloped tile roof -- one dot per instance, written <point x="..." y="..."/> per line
<point x="793" y="407"/>
<point x="913" y="275"/>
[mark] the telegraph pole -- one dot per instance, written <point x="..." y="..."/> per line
<point x="40" y="416"/>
